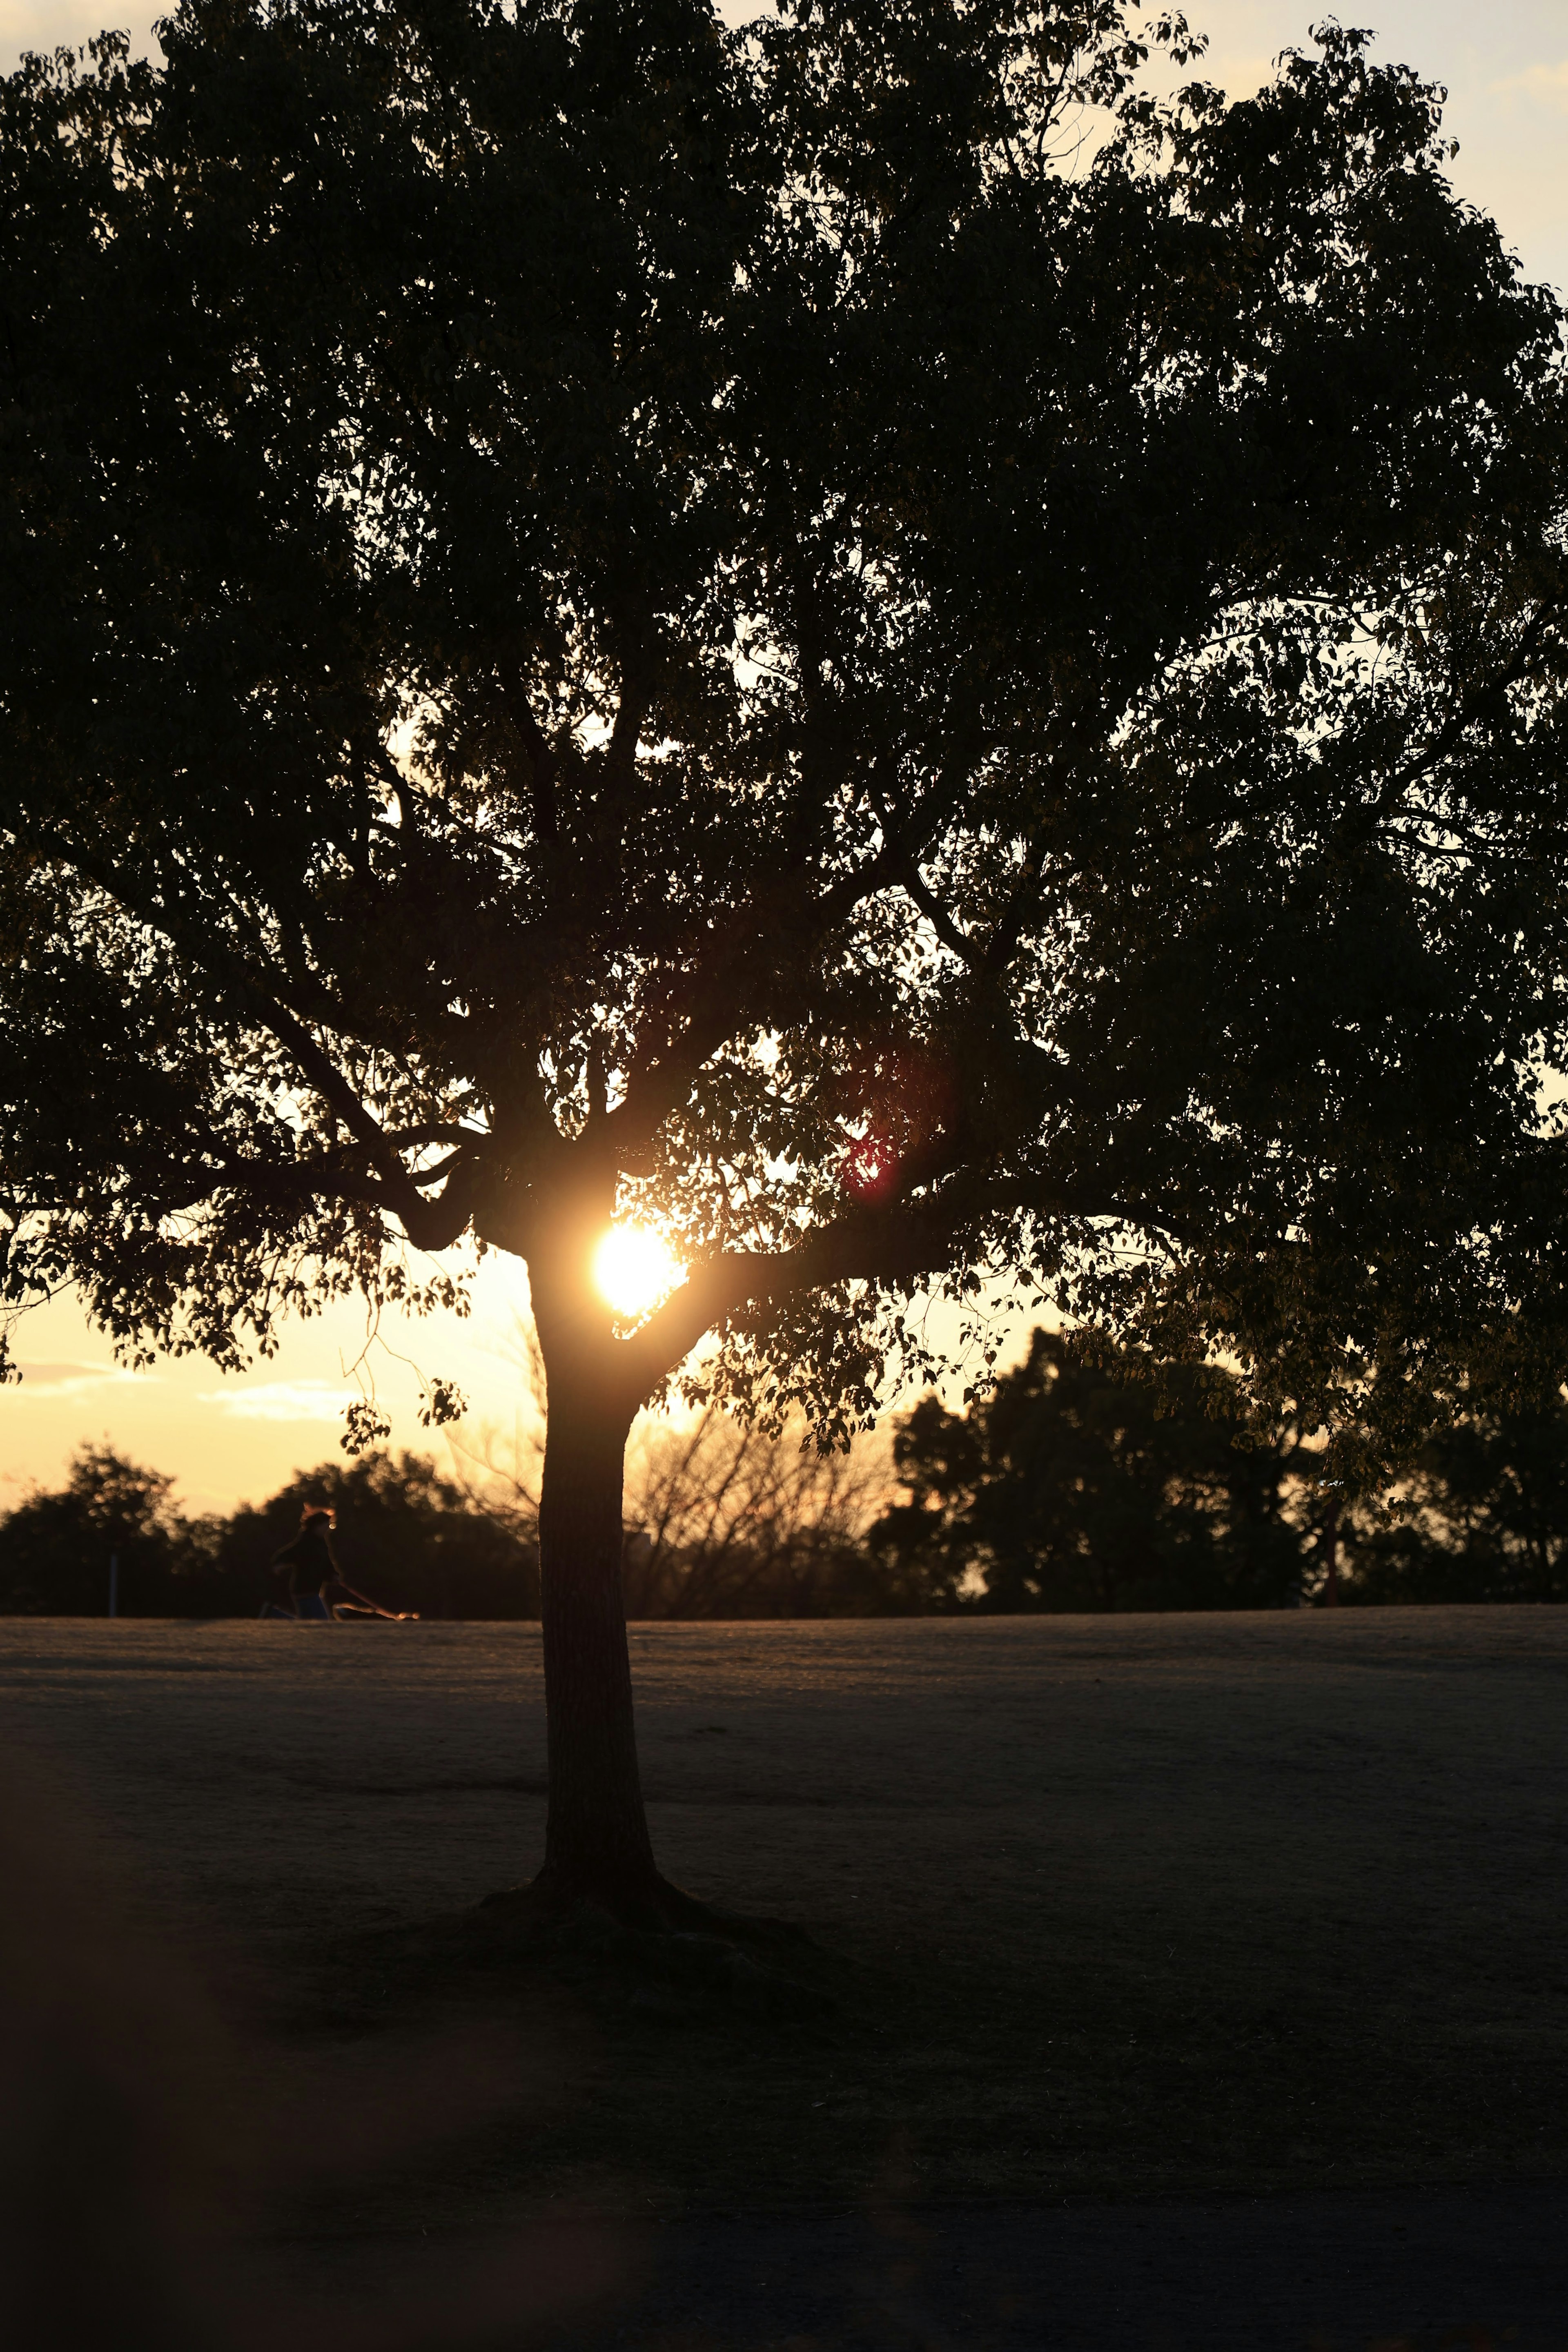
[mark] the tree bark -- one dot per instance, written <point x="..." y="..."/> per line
<point x="1329" y="1541"/>
<point x="596" y="1846"/>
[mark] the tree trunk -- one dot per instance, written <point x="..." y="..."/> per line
<point x="1331" y="1544"/>
<point x="596" y="1846"/>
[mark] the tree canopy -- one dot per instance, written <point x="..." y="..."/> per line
<point x="604" y="613"/>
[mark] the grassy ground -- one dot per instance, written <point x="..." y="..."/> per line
<point x="1117" y="1907"/>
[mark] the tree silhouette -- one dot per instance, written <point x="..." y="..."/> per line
<point x="54" y="1546"/>
<point x="1094" y="1480"/>
<point x="603" y="617"/>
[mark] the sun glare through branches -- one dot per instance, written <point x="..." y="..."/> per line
<point x="634" y="1268"/>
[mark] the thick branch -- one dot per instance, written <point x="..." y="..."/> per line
<point x="543" y="760"/>
<point x="968" y="952"/>
<point x="636" y="694"/>
<point x="785" y="917"/>
<point x="904" y="1244"/>
<point x="420" y="1217"/>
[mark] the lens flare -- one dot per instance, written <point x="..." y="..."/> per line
<point x="635" y="1269"/>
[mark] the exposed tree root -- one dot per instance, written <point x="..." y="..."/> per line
<point x="672" y="1953"/>
<point x="667" y="1957"/>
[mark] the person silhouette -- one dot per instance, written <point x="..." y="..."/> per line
<point x="311" y="1565"/>
<point x="318" y="1592"/>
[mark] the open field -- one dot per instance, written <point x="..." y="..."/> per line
<point x="1147" y="1902"/>
<point x="1126" y="1908"/>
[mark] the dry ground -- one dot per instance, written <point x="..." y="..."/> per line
<point x="1125" y="1907"/>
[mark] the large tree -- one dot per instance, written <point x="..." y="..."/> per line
<point x="852" y="638"/>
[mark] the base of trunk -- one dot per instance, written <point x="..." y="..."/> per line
<point x="658" y="1948"/>
<point x="671" y="1960"/>
<point x="638" y="1899"/>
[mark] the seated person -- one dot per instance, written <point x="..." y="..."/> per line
<point x="316" y="1591"/>
<point x="312" y="1566"/>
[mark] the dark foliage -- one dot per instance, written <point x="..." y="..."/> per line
<point x="405" y="1536"/>
<point x="1489" y="1515"/>
<point x="1095" y="1478"/>
<point x="55" y="1548"/>
<point x="1091" y="1479"/>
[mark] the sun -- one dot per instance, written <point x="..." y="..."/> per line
<point x="634" y="1268"/>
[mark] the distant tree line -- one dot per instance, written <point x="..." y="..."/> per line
<point x="1096" y="1478"/>
<point x="1091" y="1478"/>
<point x="1088" y="1481"/>
<point x="412" y="1538"/>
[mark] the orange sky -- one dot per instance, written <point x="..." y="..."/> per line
<point x="227" y="1436"/>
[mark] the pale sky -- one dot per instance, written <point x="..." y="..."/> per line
<point x="1505" y="66"/>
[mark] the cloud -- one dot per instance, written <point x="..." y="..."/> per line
<point x="73" y="1379"/>
<point x="1546" y="85"/>
<point x="281" y="1401"/>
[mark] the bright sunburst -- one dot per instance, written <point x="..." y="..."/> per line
<point x="634" y="1268"/>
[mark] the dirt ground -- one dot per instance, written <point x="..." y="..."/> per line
<point x="1122" y="1908"/>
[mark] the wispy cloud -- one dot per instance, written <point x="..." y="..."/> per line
<point x="281" y="1401"/>
<point x="1543" y="85"/>
<point x="72" y="1378"/>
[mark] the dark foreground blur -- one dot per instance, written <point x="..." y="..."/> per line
<point x="145" y="2157"/>
<point x="169" y="2179"/>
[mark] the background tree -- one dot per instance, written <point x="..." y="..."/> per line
<point x="604" y="618"/>
<point x="1483" y="1516"/>
<point x="1093" y="1479"/>
<point x="54" y="1547"/>
<point x="728" y="1521"/>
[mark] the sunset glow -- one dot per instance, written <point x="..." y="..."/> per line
<point x="634" y="1268"/>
